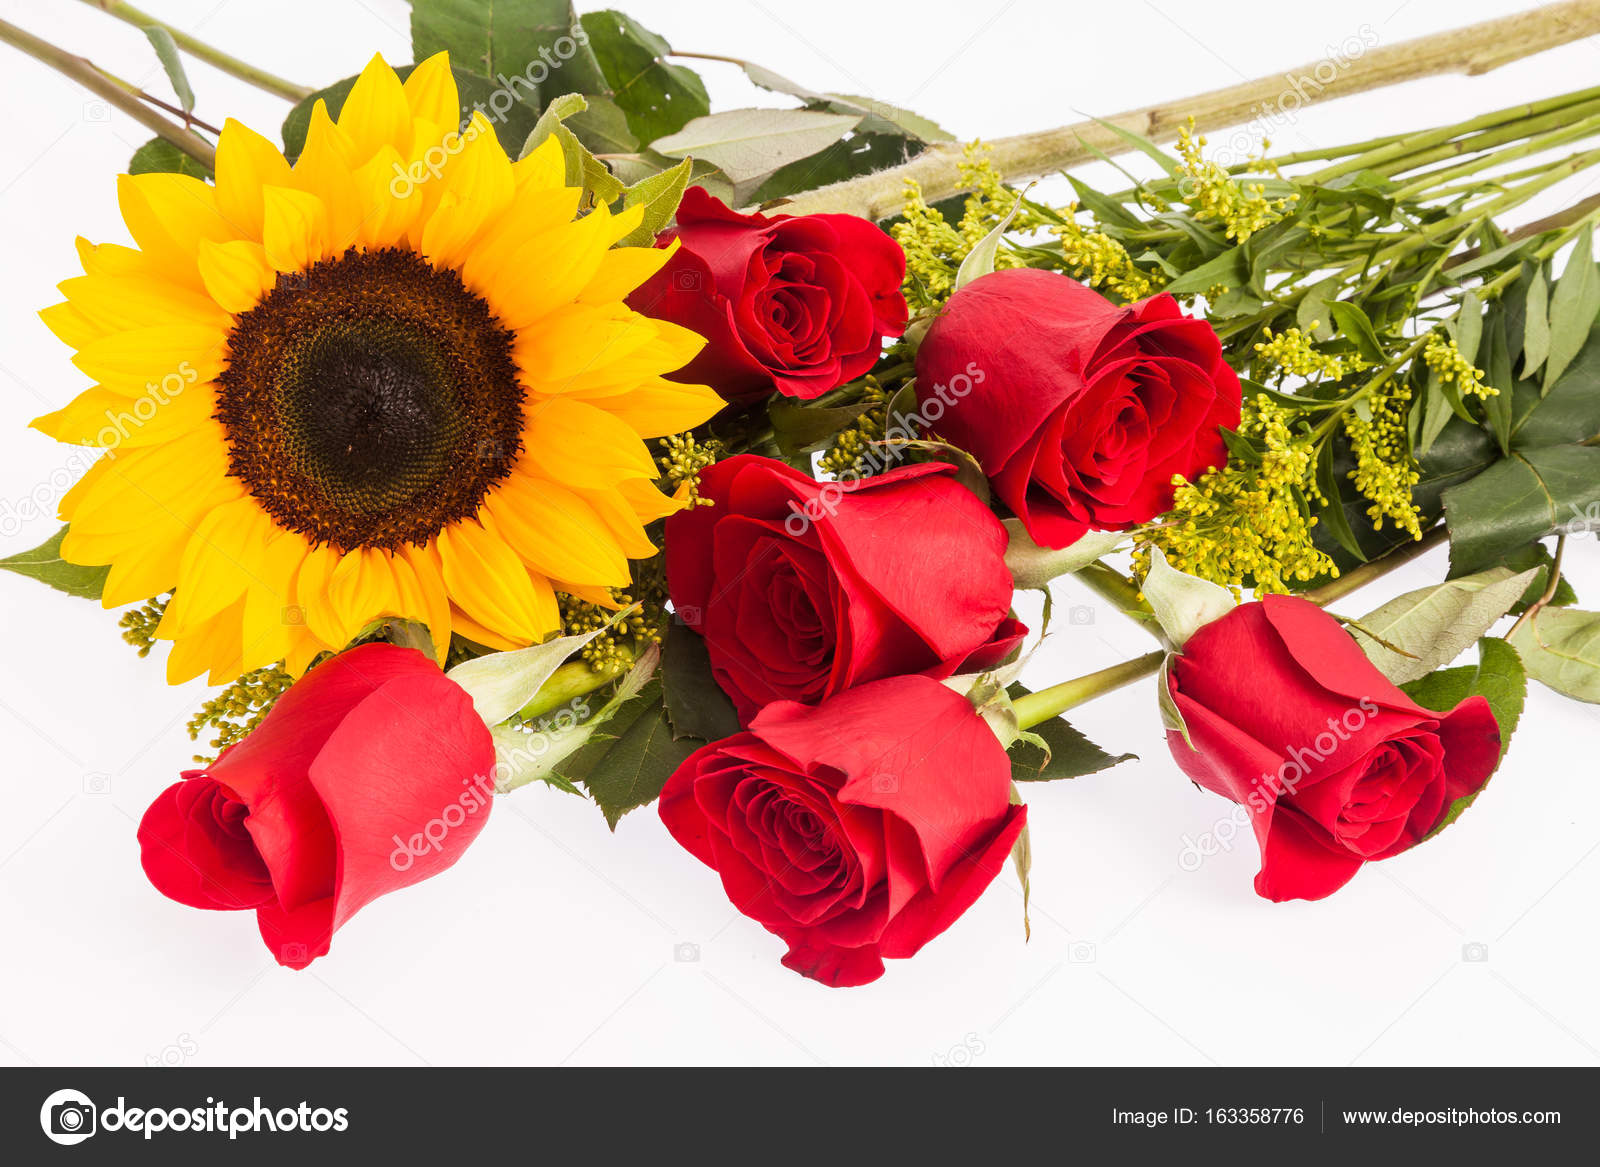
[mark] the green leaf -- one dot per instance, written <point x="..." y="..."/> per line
<point x="1438" y="623"/>
<point x="159" y="156"/>
<point x="660" y="196"/>
<point x="1230" y="269"/>
<point x="1517" y="500"/>
<point x="847" y="158"/>
<point x="799" y="427"/>
<point x="1022" y="859"/>
<point x="1146" y="147"/>
<point x="44" y="563"/>
<point x="500" y="683"/>
<point x="1349" y="319"/>
<point x="1334" y="515"/>
<point x="603" y="127"/>
<point x="625" y="767"/>
<point x="1573" y="307"/>
<point x="1033" y="566"/>
<point x="1569" y="412"/>
<point x="981" y="259"/>
<point x="1182" y="603"/>
<point x="747" y="144"/>
<point x="889" y="119"/>
<point x="1495" y="360"/>
<point x="1536" y="325"/>
<point x="1537" y="557"/>
<point x="512" y="122"/>
<point x="534" y="47"/>
<point x="1561" y="648"/>
<point x="1064" y="752"/>
<point x="583" y="168"/>
<point x="658" y="98"/>
<point x="167" y="51"/>
<point x="696" y="705"/>
<point x="1499" y="677"/>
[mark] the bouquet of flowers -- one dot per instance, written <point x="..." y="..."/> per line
<point x="521" y="422"/>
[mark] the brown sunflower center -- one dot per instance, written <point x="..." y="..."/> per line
<point x="370" y="401"/>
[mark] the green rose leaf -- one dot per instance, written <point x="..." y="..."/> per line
<point x="1436" y="624"/>
<point x="534" y="48"/>
<point x="749" y="144"/>
<point x="1573" y="307"/>
<point x="696" y="705"/>
<point x="1561" y="649"/>
<point x="44" y="563"/>
<point x="625" y="766"/>
<point x="159" y="156"/>
<point x="1054" y="749"/>
<point x="1499" y="677"/>
<point x="658" y="98"/>
<point x="1519" y="499"/>
<point x="167" y="52"/>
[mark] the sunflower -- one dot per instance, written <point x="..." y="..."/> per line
<point x="393" y="379"/>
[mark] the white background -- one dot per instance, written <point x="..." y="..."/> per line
<point x="554" y="941"/>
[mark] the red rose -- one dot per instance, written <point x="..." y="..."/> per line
<point x="1334" y="765"/>
<point x="372" y="773"/>
<point x="1079" y="411"/>
<point x="804" y="588"/>
<point x="855" y="831"/>
<point x="793" y="304"/>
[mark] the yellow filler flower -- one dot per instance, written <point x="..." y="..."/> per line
<point x="394" y="379"/>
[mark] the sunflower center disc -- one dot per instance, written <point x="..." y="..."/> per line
<point x="370" y="401"/>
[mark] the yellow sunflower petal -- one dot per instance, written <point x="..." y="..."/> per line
<point x="566" y="259"/>
<point x="477" y="187"/>
<point x="220" y="563"/>
<point x="168" y="215"/>
<point x="556" y="532"/>
<point x="246" y="163"/>
<point x="575" y="443"/>
<point x="545" y="167"/>
<point x="661" y="407"/>
<point x="623" y="269"/>
<point x="271" y="626"/>
<point x="326" y="169"/>
<point x="111" y="420"/>
<point x="114" y="303"/>
<point x="431" y="92"/>
<point x="388" y="203"/>
<point x="295" y="228"/>
<point x="139" y="360"/>
<point x="236" y="274"/>
<point x="70" y="325"/>
<point x="376" y="114"/>
<point x="435" y="610"/>
<point x="489" y="583"/>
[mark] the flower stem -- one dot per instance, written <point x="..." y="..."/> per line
<point x="201" y="51"/>
<point x="1057" y="699"/>
<point x="1034" y="708"/>
<point x="105" y="87"/>
<point x="1475" y="49"/>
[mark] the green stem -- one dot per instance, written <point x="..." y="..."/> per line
<point x="201" y="51"/>
<point x="1112" y="585"/>
<point x="1057" y="699"/>
<point x="87" y="75"/>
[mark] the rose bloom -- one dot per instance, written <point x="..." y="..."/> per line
<point x="1079" y="411"/>
<point x="1334" y="765"/>
<point x="791" y="304"/>
<point x="856" y="830"/>
<point x="373" y="772"/>
<point x="804" y="588"/>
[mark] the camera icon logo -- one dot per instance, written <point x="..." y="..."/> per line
<point x="97" y="783"/>
<point x="294" y="616"/>
<point x="1080" y="614"/>
<point x="293" y="953"/>
<point x="96" y="111"/>
<point x="1081" y="952"/>
<point x="68" y="1117"/>
<point x="686" y="953"/>
<point x="686" y="281"/>
<point x="689" y="614"/>
<point x="1475" y="952"/>
<point x="885" y="783"/>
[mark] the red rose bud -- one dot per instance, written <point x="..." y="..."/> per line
<point x="855" y="831"/>
<point x="372" y="773"/>
<point x="804" y="588"/>
<point x="1333" y="764"/>
<point x="793" y="304"/>
<point x="1080" y="411"/>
